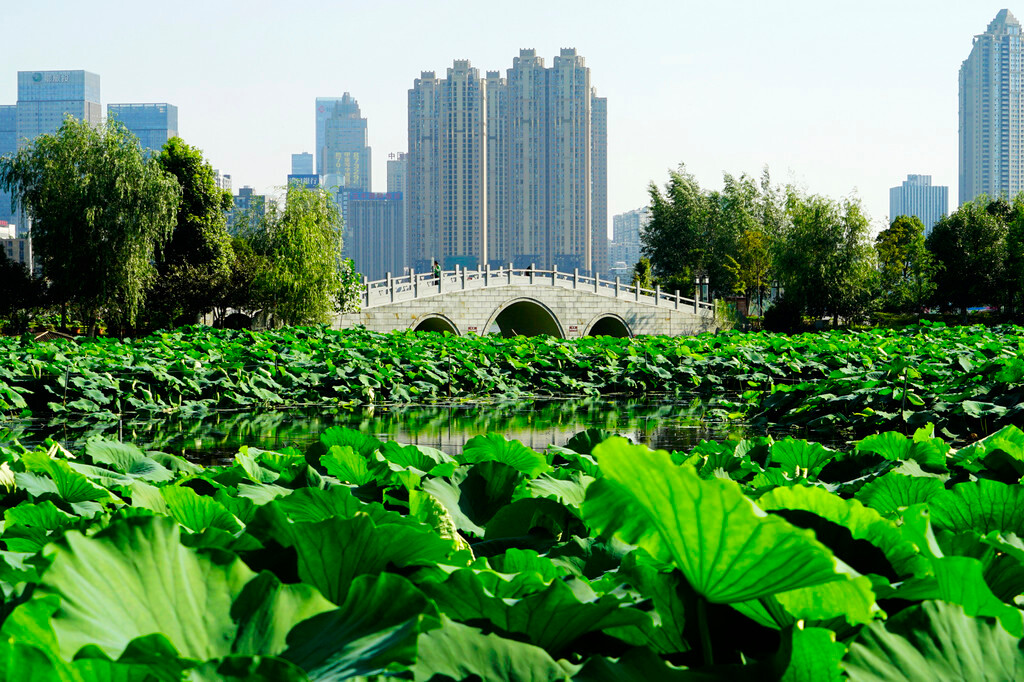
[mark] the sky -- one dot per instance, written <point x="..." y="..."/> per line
<point x="842" y="99"/>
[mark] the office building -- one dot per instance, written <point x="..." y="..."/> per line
<point x="302" y="164"/>
<point x="398" y="171"/>
<point x="916" y="196"/>
<point x="247" y="204"/>
<point x="374" y="235"/>
<point x="624" y="250"/>
<point x="509" y="169"/>
<point x="153" y="124"/>
<point x="8" y="145"/>
<point x="45" y="98"/>
<point x="223" y="181"/>
<point x="341" y="143"/>
<point x="991" y="111"/>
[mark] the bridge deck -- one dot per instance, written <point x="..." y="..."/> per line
<point x="425" y="285"/>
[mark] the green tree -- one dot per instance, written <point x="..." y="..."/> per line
<point x="904" y="265"/>
<point x="21" y="293"/>
<point x="642" y="274"/>
<point x="99" y="208"/>
<point x="196" y="261"/>
<point x="751" y="267"/>
<point x="1014" y="275"/>
<point x="674" y="240"/>
<point x="823" y="260"/>
<point x="969" y="249"/>
<point x="302" y="246"/>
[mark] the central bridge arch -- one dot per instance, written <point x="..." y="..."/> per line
<point x="526" y="317"/>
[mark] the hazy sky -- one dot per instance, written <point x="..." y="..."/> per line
<point x="840" y="98"/>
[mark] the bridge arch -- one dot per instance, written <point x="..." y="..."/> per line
<point x="435" y="322"/>
<point x="609" y="324"/>
<point x="526" y="317"/>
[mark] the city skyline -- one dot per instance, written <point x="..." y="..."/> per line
<point x="811" y="91"/>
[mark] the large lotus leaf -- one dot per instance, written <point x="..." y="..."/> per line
<point x="584" y="441"/>
<point x="552" y="618"/>
<point x="851" y="600"/>
<point x="929" y="452"/>
<point x="426" y="508"/>
<point x="198" y="512"/>
<point x="534" y="516"/>
<point x="331" y="553"/>
<point x="462" y="652"/>
<point x="373" y="632"/>
<point x="523" y="561"/>
<point x="798" y="457"/>
<point x="893" y="492"/>
<point x="473" y="496"/>
<point x="1001" y="565"/>
<point x="134" y="578"/>
<point x="127" y="459"/>
<point x="361" y="443"/>
<point x="145" y="659"/>
<point x="24" y="663"/>
<point x="247" y="459"/>
<point x="570" y="491"/>
<point x="313" y="504"/>
<point x="1003" y="449"/>
<point x="668" y="618"/>
<point x="935" y="642"/>
<point x="960" y="580"/>
<point x="28" y="526"/>
<point x="495" y="447"/>
<point x="864" y="524"/>
<point x="63" y="481"/>
<point x="419" y="458"/>
<point x="267" y="610"/>
<point x="348" y="466"/>
<point x="728" y="549"/>
<point x="983" y="507"/>
<point x="249" y="669"/>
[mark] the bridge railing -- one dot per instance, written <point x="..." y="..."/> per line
<point x="416" y="285"/>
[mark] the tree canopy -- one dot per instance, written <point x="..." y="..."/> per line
<point x="100" y="209"/>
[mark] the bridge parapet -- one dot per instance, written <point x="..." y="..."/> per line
<point x="415" y="286"/>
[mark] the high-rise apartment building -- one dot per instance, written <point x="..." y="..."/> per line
<point x="446" y="203"/>
<point x="374" y="235"/>
<point x="153" y="124"/>
<point x="992" y="112"/>
<point x="528" y="166"/>
<point x="302" y="164"/>
<point x="398" y="171"/>
<point x="624" y="251"/>
<point x="341" y="143"/>
<point x="918" y="197"/>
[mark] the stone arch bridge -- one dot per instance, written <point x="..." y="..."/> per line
<point x="525" y="301"/>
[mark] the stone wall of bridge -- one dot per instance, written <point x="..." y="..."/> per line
<point x="574" y="312"/>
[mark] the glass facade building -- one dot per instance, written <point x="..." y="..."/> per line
<point x="153" y="124"/>
<point x="8" y="145"/>
<point x="341" y="143"/>
<point x="918" y="197"/>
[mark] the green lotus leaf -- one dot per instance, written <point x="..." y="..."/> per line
<point x="475" y="494"/>
<point x="420" y="458"/>
<point x="72" y="487"/>
<point x="929" y="452"/>
<point x="893" y="492"/>
<point x="24" y="663"/>
<point x="863" y="524"/>
<point x="798" y="457"/>
<point x="983" y="506"/>
<point x="249" y="669"/>
<point x="373" y="632"/>
<point x="198" y="512"/>
<point x="495" y="447"/>
<point x="960" y="580"/>
<point x="934" y="641"/>
<point x="728" y="549"/>
<point x="361" y="443"/>
<point x="134" y="578"/>
<point x="552" y="618"/>
<point x="127" y="459"/>
<point x="461" y="652"/>
<point x="348" y="465"/>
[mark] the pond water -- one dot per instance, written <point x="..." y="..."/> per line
<point x="666" y="423"/>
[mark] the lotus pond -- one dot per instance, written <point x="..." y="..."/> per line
<point x="891" y="551"/>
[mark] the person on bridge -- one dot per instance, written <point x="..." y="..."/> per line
<point x="436" y="271"/>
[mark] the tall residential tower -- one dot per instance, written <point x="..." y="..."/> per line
<point x="992" y="112"/>
<point x="917" y="196"/>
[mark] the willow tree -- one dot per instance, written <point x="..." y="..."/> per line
<point x="302" y="245"/>
<point x="99" y="209"/>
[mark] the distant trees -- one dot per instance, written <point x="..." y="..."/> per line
<point x="100" y="210"/>
<point x="196" y="261"/>
<point x="905" y="266"/>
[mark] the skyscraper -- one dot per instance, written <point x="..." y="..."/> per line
<point x="918" y="197"/>
<point x="447" y="204"/>
<point x="531" y="168"/>
<point x="153" y="124"/>
<point x="626" y="230"/>
<point x="46" y="97"/>
<point x="302" y="164"/>
<point x="991" y="111"/>
<point x="341" y="143"/>
<point x="8" y="145"/>
<point x="374" y="237"/>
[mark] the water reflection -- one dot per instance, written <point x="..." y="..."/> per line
<point x="668" y="424"/>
